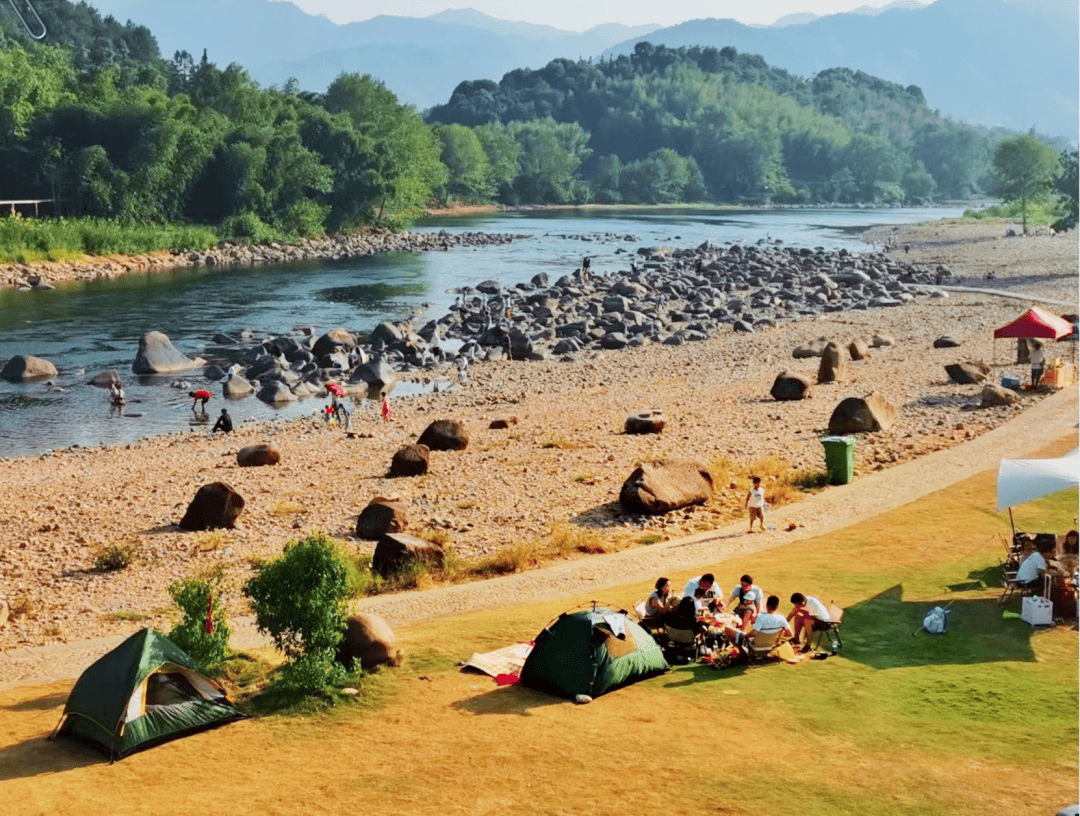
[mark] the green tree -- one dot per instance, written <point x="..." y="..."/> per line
<point x="1067" y="187"/>
<point x="1024" y="167"/>
<point x="470" y="175"/>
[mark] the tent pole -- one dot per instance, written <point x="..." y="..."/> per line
<point x="1012" y="524"/>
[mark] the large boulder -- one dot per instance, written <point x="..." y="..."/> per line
<point x="858" y="350"/>
<point x="275" y="392"/>
<point x="376" y="372"/>
<point x="158" y="355"/>
<point x="369" y="641"/>
<point x="335" y="338"/>
<point x="411" y="460"/>
<point x="257" y="456"/>
<point x="862" y="415"/>
<point x="381" y="516"/>
<point x="646" y="422"/>
<point x="215" y="505"/>
<point x="444" y="435"/>
<point x="811" y="349"/>
<point x="790" y="387"/>
<point x="236" y="387"/>
<point x="994" y="395"/>
<point x="398" y="551"/>
<point x="832" y="366"/>
<point x="105" y="379"/>
<point x="23" y="367"/>
<point x="965" y="373"/>
<point x="665" y="485"/>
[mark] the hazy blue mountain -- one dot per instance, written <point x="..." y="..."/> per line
<point x="991" y="62"/>
<point x="420" y="60"/>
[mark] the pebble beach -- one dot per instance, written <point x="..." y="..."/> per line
<point x="559" y="466"/>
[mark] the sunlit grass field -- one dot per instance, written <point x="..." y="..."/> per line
<point x="981" y="720"/>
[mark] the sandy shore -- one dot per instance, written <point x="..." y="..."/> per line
<point x="563" y="462"/>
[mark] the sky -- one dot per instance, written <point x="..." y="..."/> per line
<point x="579" y="15"/>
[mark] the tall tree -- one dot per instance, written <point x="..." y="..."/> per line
<point x="1024" y="167"/>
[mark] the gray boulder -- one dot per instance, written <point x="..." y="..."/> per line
<point x="333" y="339"/>
<point x="665" y="485"/>
<point x="105" y="379"/>
<point x="369" y="641"/>
<point x="445" y="435"/>
<point x="257" y="456"/>
<point x="994" y="395"/>
<point x="376" y="372"/>
<point x="965" y="373"/>
<point x="790" y="387"/>
<point x="275" y="392"/>
<point x="381" y="516"/>
<point x="410" y="460"/>
<point x="236" y="387"/>
<point x="158" y="355"/>
<point x="215" y="505"/>
<point x="396" y="551"/>
<point x="646" y="422"/>
<point x="25" y="367"/>
<point x="862" y="415"/>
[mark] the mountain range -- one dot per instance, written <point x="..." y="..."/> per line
<point x="1008" y="63"/>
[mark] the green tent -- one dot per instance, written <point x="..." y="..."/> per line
<point x="143" y="692"/>
<point x="590" y="653"/>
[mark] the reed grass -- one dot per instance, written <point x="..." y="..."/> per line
<point x="25" y="240"/>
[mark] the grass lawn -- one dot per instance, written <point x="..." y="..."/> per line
<point x="982" y="720"/>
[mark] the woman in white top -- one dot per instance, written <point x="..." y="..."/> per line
<point x="1037" y="358"/>
<point x="660" y="601"/>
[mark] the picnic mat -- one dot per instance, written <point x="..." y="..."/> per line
<point x="507" y="660"/>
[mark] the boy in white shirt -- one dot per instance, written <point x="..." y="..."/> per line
<point x="755" y="500"/>
<point x="807" y="615"/>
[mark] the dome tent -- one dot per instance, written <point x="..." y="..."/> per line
<point x="145" y="691"/>
<point x="591" y="652"/>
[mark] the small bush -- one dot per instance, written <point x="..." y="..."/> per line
<point x="300" y="600"/>
<point x="248" y="226"/>
<point x="196" y="597"/>
<point x="115" y="557"/>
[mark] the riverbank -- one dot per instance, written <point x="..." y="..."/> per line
<point x="561" y="464"/>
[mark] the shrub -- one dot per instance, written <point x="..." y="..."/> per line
<point x="195" y="597"/>
<point x="114" y="557"/>
<point x="300" y="600"/>
<point x="248" y="226"/>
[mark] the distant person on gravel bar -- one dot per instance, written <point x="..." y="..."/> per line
<point x="755" y="500"/>
<point x="199" y="396"/>
<point x="1037" y="358"/>
<point x="224" y="423"/>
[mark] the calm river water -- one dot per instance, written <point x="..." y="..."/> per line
<point x="85" y="328"/>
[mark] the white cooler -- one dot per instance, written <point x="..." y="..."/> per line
<point x="1037" y="611"/>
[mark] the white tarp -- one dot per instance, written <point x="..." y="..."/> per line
<point x="1022" y="480"/>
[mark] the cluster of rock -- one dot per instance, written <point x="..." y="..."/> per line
<point x="43" y="275"/>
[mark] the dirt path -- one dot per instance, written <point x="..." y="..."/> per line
<point x="1052" y="419"/>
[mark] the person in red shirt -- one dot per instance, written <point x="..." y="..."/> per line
<point x="202" y="396"/>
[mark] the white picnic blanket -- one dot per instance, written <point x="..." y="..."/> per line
<point x="507" y="660"/>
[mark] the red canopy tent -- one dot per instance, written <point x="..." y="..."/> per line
<point x="1036" y="322"/>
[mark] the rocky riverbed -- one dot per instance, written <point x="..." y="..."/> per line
<point x="562" y="461"/>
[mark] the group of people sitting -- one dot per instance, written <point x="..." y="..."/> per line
<point x="749" y="612"/>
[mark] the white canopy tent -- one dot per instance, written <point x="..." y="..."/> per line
<point x="1023" y="480"/>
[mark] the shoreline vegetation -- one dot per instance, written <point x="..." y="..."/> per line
<point x="42" y="253"/>
<point x="544" y="488"/>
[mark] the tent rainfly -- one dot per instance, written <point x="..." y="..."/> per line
<point x="144" y="692"/>
<point x="1023" y="480"/>
<point x="1036" y="322"/>
<point x="591" y="652"/>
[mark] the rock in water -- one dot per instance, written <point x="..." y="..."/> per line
<point x="25" y="367"/>
<point x="157" y="355"/>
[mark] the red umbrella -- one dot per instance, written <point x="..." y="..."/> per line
<point x="335" y="389"/>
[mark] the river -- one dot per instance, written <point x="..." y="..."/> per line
<point x="84" y="328"/>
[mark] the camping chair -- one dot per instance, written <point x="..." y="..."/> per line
<point x="831" y="627"/>
<point x="683" y="642"/>
<point x="760" y="644"/>
<point x="1012" y="586"/>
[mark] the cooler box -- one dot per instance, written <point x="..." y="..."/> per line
<point x="1010" y="382"/>
<point x="1037" y="611"/>
<point x="839" y="458"/>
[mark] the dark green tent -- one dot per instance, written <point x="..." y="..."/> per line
<point x="590" y="653"/>
<point x="143" y="692"/>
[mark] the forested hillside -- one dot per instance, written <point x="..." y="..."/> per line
<point x="99" y="122"/>
<point x="754" y="132"/>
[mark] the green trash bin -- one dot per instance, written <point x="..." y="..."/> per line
<point x="839" y="458"/>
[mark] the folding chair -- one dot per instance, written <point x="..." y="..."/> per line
<point x="683" y="642"/>
<point x="1013" y="586"/>
<point x="831" y="627"/>
<point x="758" y="645"/>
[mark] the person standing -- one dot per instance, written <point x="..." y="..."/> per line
<point x="1037" y="358"/>
<point x="755" y="500"/>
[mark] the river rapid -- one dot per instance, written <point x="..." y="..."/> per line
<point x="84" y="328"/>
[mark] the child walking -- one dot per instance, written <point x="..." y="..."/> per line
<point x="755" y="500"/>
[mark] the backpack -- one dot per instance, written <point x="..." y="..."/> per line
<point x="936" y="621"/>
